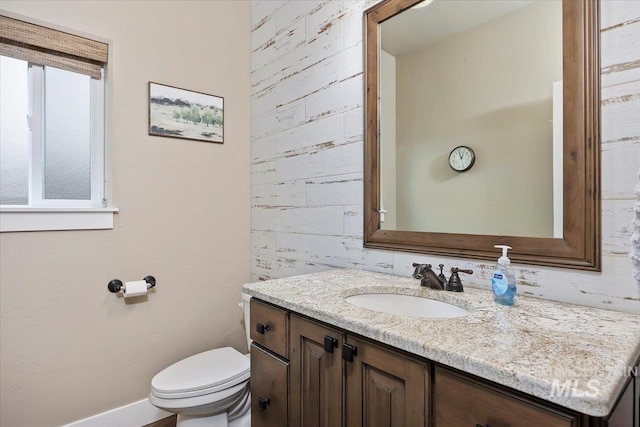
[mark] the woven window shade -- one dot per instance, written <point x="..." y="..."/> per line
<point x="46" y="46"/>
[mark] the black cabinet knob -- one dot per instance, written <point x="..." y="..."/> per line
<point x="263" y="402"/>
<point x="261" y="328"/>
<point x="348" y="351"/>
<point x="330" y="343"/>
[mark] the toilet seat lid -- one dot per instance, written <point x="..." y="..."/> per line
<point x="203" y="371"/>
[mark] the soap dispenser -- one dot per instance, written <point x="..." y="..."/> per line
<point x="503" y="280"/>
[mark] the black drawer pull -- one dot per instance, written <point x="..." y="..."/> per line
<point x="261" y="328"/>
<point x="330" y="343"/>
<point x="263" y="402"/>
<point x="348" y="351"/>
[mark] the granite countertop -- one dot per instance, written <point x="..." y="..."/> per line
<point x="529" y="347"/>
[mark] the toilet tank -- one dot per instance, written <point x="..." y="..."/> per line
<point x="245" y="305"/>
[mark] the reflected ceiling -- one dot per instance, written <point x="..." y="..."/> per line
<point x="420" y="27"/>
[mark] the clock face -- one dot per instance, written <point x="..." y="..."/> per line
<point x="462" y="158"/>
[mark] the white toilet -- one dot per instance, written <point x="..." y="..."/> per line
<point x="210" y="389"/>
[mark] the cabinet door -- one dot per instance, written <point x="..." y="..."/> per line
<point x="269" y="389"/>
<point x="461" y="401"/>
<point x="316" y="374"/>
<point x="384" y="388"/>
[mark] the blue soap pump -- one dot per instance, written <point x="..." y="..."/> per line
<point x="503" y="281"/>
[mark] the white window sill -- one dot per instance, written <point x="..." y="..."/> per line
<point x="30" y="218"/>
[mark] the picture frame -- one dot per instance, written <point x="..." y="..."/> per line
<point x="186" y="114"/>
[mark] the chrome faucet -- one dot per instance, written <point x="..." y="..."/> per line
<point x="439" y="282"/>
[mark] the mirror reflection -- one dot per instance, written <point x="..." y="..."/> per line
<point x="487" y="77"/>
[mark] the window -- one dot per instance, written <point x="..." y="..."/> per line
<point x="52" y="137"/>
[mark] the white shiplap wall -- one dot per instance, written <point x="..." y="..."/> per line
<point x="307" y="153"/>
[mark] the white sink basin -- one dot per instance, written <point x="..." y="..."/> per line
<point x="407" y="305"/>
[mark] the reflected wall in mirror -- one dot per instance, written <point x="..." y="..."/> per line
<point x="489" y="75"/>
<point x="479" y="74"/>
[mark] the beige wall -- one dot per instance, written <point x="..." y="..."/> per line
<point x="452" y="93"/>
<point x="69" y="348"/>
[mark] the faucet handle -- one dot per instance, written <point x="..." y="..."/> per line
<point x="441" y="276"/>
<point x="416" y="271"/>
<point x="455" y="284"/>
<point x="459" y="270"/>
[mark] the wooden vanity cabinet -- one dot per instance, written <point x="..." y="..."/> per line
<point x="269" y="365"/>
<point x="308" y="374"/>
<point x="335" y="375"/>
<point x="462" y="401"/>
<point x="316" y="374"/>
<point x="270" y="327"/>
<point x="269" y="389"/>
<point x="627" y="410"/>
<point x="385" y="388"/>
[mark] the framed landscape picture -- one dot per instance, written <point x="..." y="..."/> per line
<point x="182" y="113"/>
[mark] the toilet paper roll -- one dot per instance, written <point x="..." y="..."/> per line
<point x="135" y="289"/>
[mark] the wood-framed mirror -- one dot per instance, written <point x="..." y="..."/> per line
<point x="464" y="228"/>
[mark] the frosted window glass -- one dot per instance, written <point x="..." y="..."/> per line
<point x="67" y="142"/>
<point x="14" y="132"/>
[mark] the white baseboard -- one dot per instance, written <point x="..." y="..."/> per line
<point x="135" y="414"/>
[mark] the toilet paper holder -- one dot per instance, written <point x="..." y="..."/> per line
<point x="117" y="285"/>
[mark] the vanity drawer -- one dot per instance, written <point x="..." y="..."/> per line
<point x="462" y="401"/>
<point x="270" y="327"/>
<point x="269" y="389"/>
